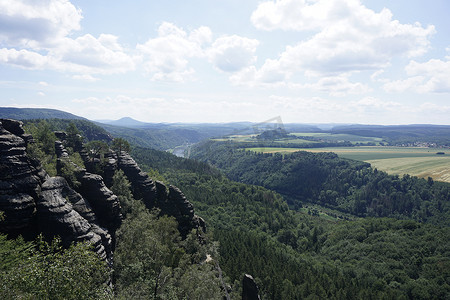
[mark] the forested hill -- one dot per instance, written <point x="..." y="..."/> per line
<point x="36" y="113"/>
<point x="88" y="130"/>
<point x="399" y="134"/>
<point x="327" y="180"/>
<point x="300" y="255"/>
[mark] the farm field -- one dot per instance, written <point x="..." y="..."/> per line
<point x="251" y="138"/>
<point x="437" y="168"/>
<point x="330" y="137"/>
<point x="421" y="162"/>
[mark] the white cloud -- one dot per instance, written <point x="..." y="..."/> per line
<point x="85" y="77"/>
<point x="296" y="14"/>
<point x="87" y="54"/>
<point x="338" y="86"/>
<point x="269" y="75"/>
<point x="436" y="72"/>
<point x="233" y="53"/>
<point x="23" y="58"/>
<point x="37" y="23"/>
<point x="201" y="35"/>
<point x="36" y="35"/>
<point x="166" y="56"/>
<point x="350" y="37"/>
<point x="432" y="76"/>
<point x="403" y="85"/>
<point x="372" y="104"/>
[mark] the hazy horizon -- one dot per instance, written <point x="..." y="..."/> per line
<point x="308" y="62"/>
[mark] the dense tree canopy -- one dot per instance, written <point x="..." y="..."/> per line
<point x="325" y="179"/>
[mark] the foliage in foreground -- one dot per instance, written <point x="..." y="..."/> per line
<point x="38" y="270"/>
<point x="152" y="262"/>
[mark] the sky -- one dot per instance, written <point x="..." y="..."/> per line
<point x="197" y="61"/>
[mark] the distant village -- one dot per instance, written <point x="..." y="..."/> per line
<point x="422" y="145"/>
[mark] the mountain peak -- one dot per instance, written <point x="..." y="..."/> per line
<point x="125" y="122"/>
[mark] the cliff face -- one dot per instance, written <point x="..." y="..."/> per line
<point x="20" y="181"/>
<point x="33" y="202"/>
<point x="155" y="194"/>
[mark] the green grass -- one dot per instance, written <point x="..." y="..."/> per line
<point x="339" y="137"/>
<point x="421" y="162"/>
<point x="436" y="167"/>
<point x="295" y="141"/>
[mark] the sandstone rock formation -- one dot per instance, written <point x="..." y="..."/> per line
<point x="171" y="201"/>
<point x="57" y="217"/>
<point x="143" y="186"/>
<point x="20" y="180"/>
<point x="33" y="202"/>
<point x="104" y="203"/>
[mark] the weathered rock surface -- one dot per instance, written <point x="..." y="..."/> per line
<point x="103" y="201"/>
<point x="178" y="206"/>
<point x="143" y="186"/>
<point x="20" y="180"/>
<point x="250" y="290"/>
<point x="171" y="201"/>
<point x="57" y="217"/>
<point x="33" y="202"/>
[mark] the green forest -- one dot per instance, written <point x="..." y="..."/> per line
<point x="297" y="255"/>
<point x="304" y="225"/>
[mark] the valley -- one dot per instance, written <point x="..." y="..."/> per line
<point x="304" y="213"/>
<point x="415" y="161"/>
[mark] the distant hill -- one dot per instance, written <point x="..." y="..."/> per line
<point x="125" y="122"/>
<point x="36" y="113"/>
<point x="399" y="134"/>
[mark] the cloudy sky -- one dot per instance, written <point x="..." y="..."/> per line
<point x="306" y="61"/>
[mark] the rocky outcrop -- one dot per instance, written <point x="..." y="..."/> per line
<point x="33" y="202"/>
<point x="250" y="290"/>
<point x="101" y="201"/>
<point x="155" y="194"/>
<point x="178" y="206"/>
<point x="57" y="217"/>
<point x="142" y="185"/>
<point x="109" y="168"/>
<point x="20" y="180"/>
<point x="104" y="203"/>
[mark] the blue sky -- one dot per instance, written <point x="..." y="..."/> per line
<point x="306" y="61"/>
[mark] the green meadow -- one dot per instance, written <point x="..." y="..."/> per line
<point x="416" y="161"/>
<point x="340" y="137"/>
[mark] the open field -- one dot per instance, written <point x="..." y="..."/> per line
<point x="330" y="137"/>
<point x="422" y="162"/>
<point x="292" y="138"/>
<point x="437" y="168"/>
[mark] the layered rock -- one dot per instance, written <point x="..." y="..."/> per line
<point x="20" y="180"/>
<point x="143" y="186"/>
<point x="32" y="202"/>
<point x="103" y="201"/>
<point x="171" y="201"/>
<point x="57" y="217"/>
